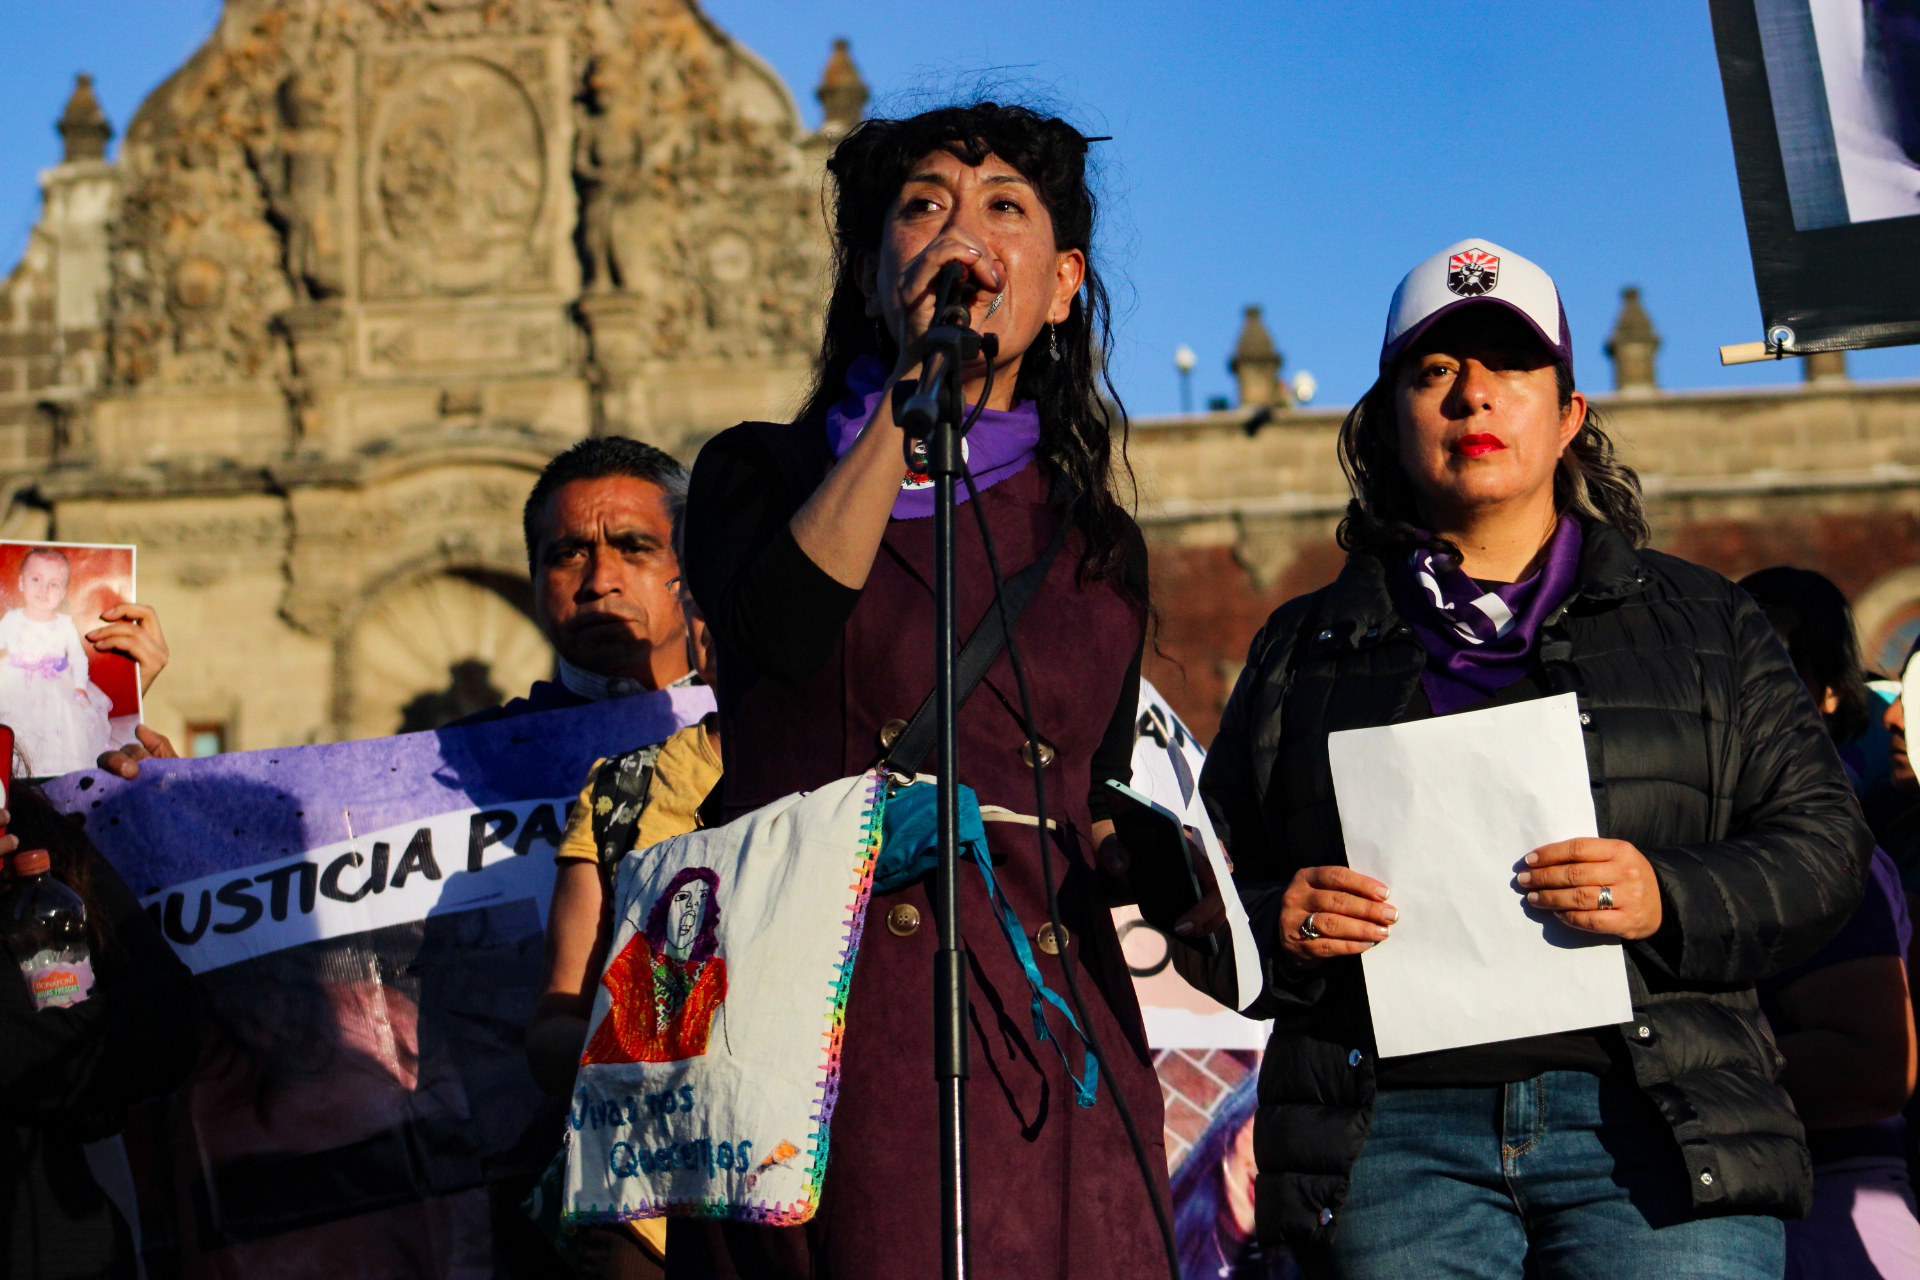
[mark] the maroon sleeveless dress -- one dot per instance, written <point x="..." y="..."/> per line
<point x="1055" y="1189"/>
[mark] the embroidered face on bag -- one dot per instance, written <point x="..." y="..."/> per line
<point x="668" y="983"/>
<point x="686" y="911"/>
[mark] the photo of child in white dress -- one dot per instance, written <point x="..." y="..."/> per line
<point x="61" y="718"/>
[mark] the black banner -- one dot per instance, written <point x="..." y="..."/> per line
<point x="1824" y="101"/>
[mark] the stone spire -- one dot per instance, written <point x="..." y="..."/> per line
<point x="83" y="125"/>
<point x="1825" y="367"/>
<point x="1632" y="347"/>
<point x="1256" y="363"/>
<point x="842" y="92"/>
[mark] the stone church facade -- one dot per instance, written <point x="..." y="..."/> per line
<point x="360" y="269"/>
<point x="358" y="272"/>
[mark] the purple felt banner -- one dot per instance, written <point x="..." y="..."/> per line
<point x="184" y="819"/>
<point x="365" y="921"/>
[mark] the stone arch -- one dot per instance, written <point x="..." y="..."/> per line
<point x="1887" y="617"/>
<point x="430" y="645"/>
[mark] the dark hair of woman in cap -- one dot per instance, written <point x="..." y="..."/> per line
<point x="1494" y="556"/>
<point x="809" y="549"/>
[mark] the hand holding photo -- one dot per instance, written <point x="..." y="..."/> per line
<point x="65" y="699"/>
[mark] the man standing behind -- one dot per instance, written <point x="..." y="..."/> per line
<point x="599" y="526"/>
<point x="599" y="529"/>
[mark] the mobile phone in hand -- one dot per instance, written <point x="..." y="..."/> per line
<point x="1161" y="870"/>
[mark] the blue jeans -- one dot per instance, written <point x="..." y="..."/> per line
<point x="1562" y="1177"/>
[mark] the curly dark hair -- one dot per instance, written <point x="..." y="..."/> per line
<point x="1384" y="515"/>
<point x="1813" y="617"/>
<point x="1077" y="422"/>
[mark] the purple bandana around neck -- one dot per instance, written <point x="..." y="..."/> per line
<point x="1479" y="641"/>
<point x="1001" y="444"/>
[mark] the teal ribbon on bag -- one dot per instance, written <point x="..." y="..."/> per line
<point x="910" y="849"/>
<point x="910" y="835"/>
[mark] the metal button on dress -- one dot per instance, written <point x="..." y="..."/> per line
<point x="1706" y="1177"/>
<point x="1643" y="1032"/>
<point x="1027" y="752"/>
<point x="1585" y="718"/>
<point x="904" y="920"/>
<point x="1048" y="940"/>
<point x="890" y="733"/>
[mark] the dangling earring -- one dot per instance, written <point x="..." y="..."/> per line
<point x="1053" y="342"/>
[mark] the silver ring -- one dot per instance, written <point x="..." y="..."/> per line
<point x="1307" y="929"/>
<point x="1606" y="897"/>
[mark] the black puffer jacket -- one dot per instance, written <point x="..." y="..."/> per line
<point x="1705" y="752"/>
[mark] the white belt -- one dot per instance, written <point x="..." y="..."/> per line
<point x="988" y="812"/>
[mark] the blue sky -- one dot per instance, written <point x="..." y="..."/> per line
<point x="1300" y="156"/>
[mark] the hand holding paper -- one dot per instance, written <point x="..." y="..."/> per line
<point x="1349" y="911"/>
<point x="1570" y="876"/>
<point x="1446" y="811"/>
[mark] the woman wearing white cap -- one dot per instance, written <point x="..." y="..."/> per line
<point x="1493" y="557"/>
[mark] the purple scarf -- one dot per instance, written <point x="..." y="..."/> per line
<point x="1001" y="444"/>
<point x="1479" y="641"/>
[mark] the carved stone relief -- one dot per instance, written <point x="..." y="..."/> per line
<point x="457" y="175"/>
<point x="607" y="176"/>
<point x="196" y="289"/>
<point x="223" y="177"/>
<point x="396" y="19"/>
<point x="719" y="227"/>
<point x="484" y="342"/>
<point x="297" y="176"/>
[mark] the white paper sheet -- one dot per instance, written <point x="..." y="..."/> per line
<point x="1444" y="812"/>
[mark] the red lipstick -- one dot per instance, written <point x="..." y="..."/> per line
<point x="1474" y="446"/>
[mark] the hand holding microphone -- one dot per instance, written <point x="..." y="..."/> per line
<point x="916" y="296"/>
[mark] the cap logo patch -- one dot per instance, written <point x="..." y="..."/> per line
<point x="1472" y="272"/>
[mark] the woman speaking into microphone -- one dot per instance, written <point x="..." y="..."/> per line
<point x="809" y="547"/>
<point x="1493" y="556"/>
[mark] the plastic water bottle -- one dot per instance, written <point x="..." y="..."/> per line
<point x="44" y="926"/>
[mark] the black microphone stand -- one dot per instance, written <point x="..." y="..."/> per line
<point x="930" y="410"/>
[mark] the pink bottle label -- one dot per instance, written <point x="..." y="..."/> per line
<point x="57" y="983"/>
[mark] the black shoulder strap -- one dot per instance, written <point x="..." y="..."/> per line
<point x="620" y="793"/>
<point x="970" y="665"/>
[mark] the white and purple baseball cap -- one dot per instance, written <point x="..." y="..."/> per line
<point x="1475" y="273"/>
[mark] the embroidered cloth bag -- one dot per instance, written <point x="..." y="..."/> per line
<point x="712" y="1062"/>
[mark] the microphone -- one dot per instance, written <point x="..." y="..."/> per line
<point x="948" y="309"/>
<point x="923" y="406"/>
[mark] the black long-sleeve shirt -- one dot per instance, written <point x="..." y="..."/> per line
<point x="67" y="1077"/>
